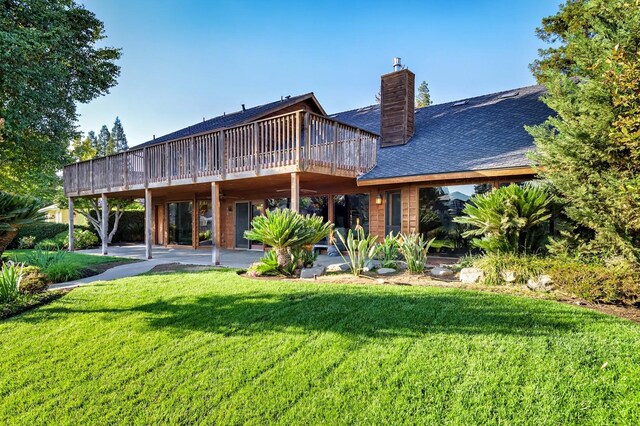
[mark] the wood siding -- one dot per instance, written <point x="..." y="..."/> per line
<point x="397" y="93"/>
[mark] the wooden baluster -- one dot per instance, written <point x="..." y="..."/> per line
<point x="125" y="172"/>
<point x="193" y="159"/>
<point x="223" y="155"/>
<point x="256" y="148"/>
<point x="298" y="139"/>
<point x="91" y="178"/>
<point x="334" y="157"/>
<point x="145" y="166"/>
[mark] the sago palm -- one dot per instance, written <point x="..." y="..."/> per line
<point x="509" y="219"/>
<point x="15" y="212"/>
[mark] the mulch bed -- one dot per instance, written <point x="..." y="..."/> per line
<point x="27" y="303"/>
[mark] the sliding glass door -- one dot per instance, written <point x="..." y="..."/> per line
<point x="180" y="230"/>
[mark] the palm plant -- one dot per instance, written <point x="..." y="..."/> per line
<point x="285" y="231"/>
<point x="360" y="248"/>
<point x="511" y="219"/>
<point x="16" y="211"/>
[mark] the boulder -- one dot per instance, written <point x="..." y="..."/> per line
<point x="313" y="272"/>
<point x="372" y="264"/>
<point x="540" y="283"/>
<point x="401" y="265"/>
<point x="332" y="251"/>
<point x="441" y="272"/>
<point x="386" y="271"/>
<point x="471" y="275"/>
<point x="338" y="267"/>
<point x="508" y="276"/>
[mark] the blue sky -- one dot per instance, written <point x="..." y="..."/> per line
<point x="185" y="60"/>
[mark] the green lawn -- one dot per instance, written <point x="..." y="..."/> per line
<point x="213" y="347"/>
<point x="81" y="260"/>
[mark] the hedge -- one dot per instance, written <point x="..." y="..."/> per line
<point x="130" y="228"/>
<point x="41" y="231"/>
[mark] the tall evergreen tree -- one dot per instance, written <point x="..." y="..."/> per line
<point x="104" y="142"/>
<point x="91" y="136"/>
<point x="423" y="98"/>
<point x="590" y="151"/>
<point x="119" y="138"/>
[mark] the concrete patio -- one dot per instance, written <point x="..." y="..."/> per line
<point x="188" y="256"/>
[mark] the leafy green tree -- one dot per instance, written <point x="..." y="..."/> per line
<point x="49" y="63"/>
<point x="15" y="212"/>
<point x="511" y="219"/>
<point x="119" y="138"/>
<point x="590" y="150"/>
<point x="82" y="148"/>
<point x="423" y="98"/>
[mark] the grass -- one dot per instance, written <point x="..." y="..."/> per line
<point x="213" y="347"/>
<point x="77" y="259"/>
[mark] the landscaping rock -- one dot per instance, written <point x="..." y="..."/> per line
<point x="471" y="275"/>
<point x="540" y="283"/>
<point x="508" y="276"/>
<point x="442" y="272"/>
<point x="372" y="264"/>
<point x="338" y="267"/>
<point x="386" y="271"/>
<point x="316" y="271"/>
<point x="401" y="265"/>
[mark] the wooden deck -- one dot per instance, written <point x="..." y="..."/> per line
<point x="293" y="142"/>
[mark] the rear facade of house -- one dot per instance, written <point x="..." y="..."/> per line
<point x="387" y="167"/>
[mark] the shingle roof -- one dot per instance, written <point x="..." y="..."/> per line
<point x="486" y="132"/>
<point x="228" y="120"/>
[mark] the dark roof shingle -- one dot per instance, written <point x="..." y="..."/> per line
<point x="486" y="132"/>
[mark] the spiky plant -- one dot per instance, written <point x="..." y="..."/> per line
<point x="414" y="248"/>
<point x="15" y="212"/>
<point x="286" y="230"/>
<point x="388" y="251"/>
<point x="510" y="219"/>
<point x="360" y="248"/>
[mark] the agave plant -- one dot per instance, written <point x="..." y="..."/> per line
<point x="285" y="231"/>
<point x="360" y="248"/>
<point x="511" y="219"/>
<point x="16" y="211"/>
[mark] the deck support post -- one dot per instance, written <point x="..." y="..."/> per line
<point x="295" y="192"/>
<point x="105" y="223"/>
<point x="215" y="223"/>
<point x="71" y="226"/>
<point x="148" y="209"/>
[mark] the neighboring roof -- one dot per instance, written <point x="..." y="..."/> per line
<point x="232" y="119"/>
<point x="481" y="133"/>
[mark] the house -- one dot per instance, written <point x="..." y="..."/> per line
<point x="379" y="166"/>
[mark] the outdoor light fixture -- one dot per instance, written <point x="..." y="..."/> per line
<point x="379" y="199"/>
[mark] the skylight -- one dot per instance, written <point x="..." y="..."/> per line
<point x="460" y="103"/>
<point x="509" y="94"/>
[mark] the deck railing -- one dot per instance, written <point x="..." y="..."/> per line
<point x="298" y="140"/>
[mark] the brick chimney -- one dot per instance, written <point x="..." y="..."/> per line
<point x="397" y="97"/>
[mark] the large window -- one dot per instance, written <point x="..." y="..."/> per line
<point x="438" y="206"/>
<point x="204" y="222"/>
<point x="180" y="223"/>
<point x="315" y="205"/>
<point x="277" y="203"/>
<point x="352" y="210"/>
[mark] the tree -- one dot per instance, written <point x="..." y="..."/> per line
<point x="49" y="63"/>
<point x="15" y="212"/>
<point x="119" y="138"/>
<point x="82" y="149"/>
<point x="105" y="142"/>
<point x="424" y="98"/>
<point x="590" y="150"/>
<point x="91" y="210"/>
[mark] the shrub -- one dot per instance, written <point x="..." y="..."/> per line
<point x="60" y="272"/>
<point x="10" y="277"/>
<point x="26" y="242"/>
<point x="510" y="219"/>
<point x="360" y="249"/>
<point x="388" y="251"/>
<point x="82" y="239"/>
<point x="414" y="248"/>
<point x="267" y="265"/>
<point x="609" y="284"/>
<point x="41" y="231"/>
<point x="285" y="231"/>
<point x="48" y="245"/>
<point x="523" y="267"/>
<point x="43" y="259"/>
<point x="304" y="257"/>
<point x="34" y="281"/>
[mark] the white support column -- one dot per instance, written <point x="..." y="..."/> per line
<point x="148" y="210"/>
<point x="215" y="223"/>
<point x="295" y="192"/>
<point x="71" y="226"/>
<point x="105" y="223"/>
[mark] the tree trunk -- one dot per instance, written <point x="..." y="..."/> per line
<point x="5" y="239"/>
<point x="284" y="258"/>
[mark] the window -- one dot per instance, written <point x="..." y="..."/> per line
<point x="350" y="211"/>
<point x="205" y="217"/>
<point x="438" y="206"/>
<point x="315" y="205"/>
<point x="180" y="223"/>
<point x="277" y="203"/>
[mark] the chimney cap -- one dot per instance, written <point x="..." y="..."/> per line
<point x="397" y="65"/>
